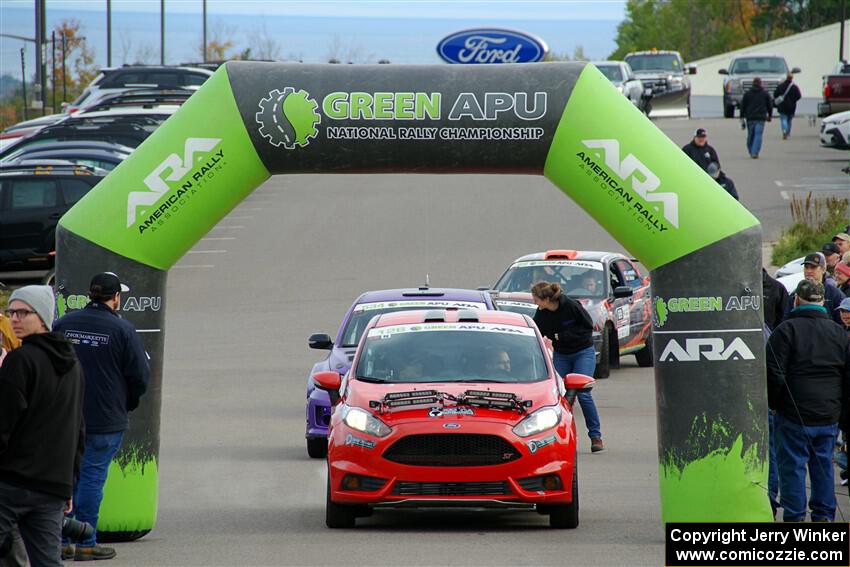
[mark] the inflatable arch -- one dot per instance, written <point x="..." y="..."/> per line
<point x="562" y="120"/>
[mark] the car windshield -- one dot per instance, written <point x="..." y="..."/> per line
<point x="612" y="72"/>
<point x="656" y="62"/>
<point x="758" y="66"/>
<point x="363" y="313"/>
<point x="578" y="278"/>
<point x="452" y="352"/>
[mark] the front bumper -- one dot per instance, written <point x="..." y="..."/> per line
<point x="318" y="413"/>
<point x="512" y="484"/>
<point x="832" y="137"/>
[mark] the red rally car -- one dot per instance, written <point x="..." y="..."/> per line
<point x="452" y="408"/>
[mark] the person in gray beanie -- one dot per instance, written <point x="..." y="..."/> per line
<point x="41" y="427"/>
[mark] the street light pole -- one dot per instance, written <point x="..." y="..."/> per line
<point x="162" y="32"/>
<point x="109" y="33"/>
<point x="40" y="52"/>
<point x="24" y="80"/>
<point x="205" y="30"/>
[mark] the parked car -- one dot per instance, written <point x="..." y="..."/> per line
<point x="27" y="127"/>
<point x="97" y="158"/>
<point x="795" y="266"/>
<point x="452" y="408"/>
<point x="836" y="90"/>
<point x="619" y="302"/>
<point x="621" y="76"/>
<point x="33" y="197"/>
<point x="835" y="131"/>
<point x="665" y="81"/>
<point x="140" y="98"/>
<point x="743" y="69"/>
<point x="118" y="79"/>
<point x="350" y="331"/>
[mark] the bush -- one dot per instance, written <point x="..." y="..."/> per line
<point x="816" y="221"/>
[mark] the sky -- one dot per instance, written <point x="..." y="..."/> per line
<point x="454" y="9"/>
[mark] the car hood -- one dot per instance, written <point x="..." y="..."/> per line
<point x="541" y="394"/>
<point x="836" y="118"/>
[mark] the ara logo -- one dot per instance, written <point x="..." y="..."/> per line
<point x="288" y="118"/>
<point x="177" y="168"/>
<point x="644" y="181"/>
<point x="712" y="349"/>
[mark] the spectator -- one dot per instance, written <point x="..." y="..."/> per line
<point x="844" y="312"/>
<point x="832" y="253"/>
<point x="775" y="300"/>
<point x="842" y="278"/>
<point x="116" y="371"/>
<point x="842" y="240"/>
<point x="699" y="150"/>
<point x="814" y="268"/>
<point x="785" y="98"/>
<point x="808" y="376"/>
<point x="725" y="182"/>
<point x="565" y="322"/>
<point x="41" y="427"/>
<point x="756" y="108"/>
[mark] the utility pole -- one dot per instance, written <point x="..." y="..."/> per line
<point x="162" y="32"/>
<point x="24" y="80"/>
<point x="40" y="52"/>
<point x="841" y="41"/>
<point x="109" y="33"/>
<point x="64" y="73"/>
<point x="53" y="67"/>
<point x="204" y="40"/>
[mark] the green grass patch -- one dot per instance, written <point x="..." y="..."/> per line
<point x="815" y="221"/>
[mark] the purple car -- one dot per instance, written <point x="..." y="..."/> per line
<point x="358" y="316"/>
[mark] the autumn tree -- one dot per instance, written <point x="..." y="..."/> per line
<point x="80" y="68"/>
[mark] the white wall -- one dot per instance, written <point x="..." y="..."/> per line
<point x="814" y="51"/>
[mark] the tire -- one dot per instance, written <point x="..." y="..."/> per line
<point x="565" y="517"/>
<point x="603" y="369"/>
<point x="317" y="447"/>
<point x="728" y="111"/>
<point x="689" y="106"/>
<point x="338" y="515"/>
<point x="644" y="355"/>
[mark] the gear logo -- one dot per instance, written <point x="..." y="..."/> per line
<point x="288" y="118"/>
<point x="660" y="312"/>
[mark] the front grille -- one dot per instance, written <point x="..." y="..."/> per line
<point x="451" y="450"/>
<point x="769" y="86"/>
<point x="407" y="488"/>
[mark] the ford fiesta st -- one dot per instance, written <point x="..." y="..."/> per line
<point x="354" y="322"/>
<point x="452" y="408"/>
<point x="610" y="287"/>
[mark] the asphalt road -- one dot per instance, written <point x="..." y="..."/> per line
<point x="236" y="485"/>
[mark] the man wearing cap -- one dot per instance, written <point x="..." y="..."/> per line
<point x="832" y="253"/>
<point x="41" y="427"/>
<point x="726" y="182"/>
<point x="844" y="312"/>
<point x="814" y="269"/>
<point x="842" y="240"/>
<point x="116" y="374"/>
<point x="808" y="378"/>
<point x="699" y="150"/>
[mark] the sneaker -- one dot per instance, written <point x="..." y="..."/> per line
<point x="784" y="136"/>
<point x="67" y="552"/>
<point x="596" y="445"/>
<point x="94" y="552"/>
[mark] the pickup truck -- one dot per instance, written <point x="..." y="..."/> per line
<point x="665" y="81"/>
<point x="836" y="91"/>
<point x="743" y="69"/>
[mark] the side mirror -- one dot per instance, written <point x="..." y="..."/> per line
<point x="723" y="71"/>
<point x="692" y="70"/>
<point x="320" y="341"/>
<point x="622" y="291"/>
<point x="330" y="382"/>
<point x="575" y="382"/>
<point x="796" y="70"/>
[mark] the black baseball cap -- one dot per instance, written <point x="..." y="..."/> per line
<point x="816" y="259"/>
<point x="830" y="248"/>
<point x="107" y="283"/>
<point x="700" y="132"/>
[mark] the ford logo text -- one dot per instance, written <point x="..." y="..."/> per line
<point x="491" y="45"/>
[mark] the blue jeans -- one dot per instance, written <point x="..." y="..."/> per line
<point x="785" y="123"/>
<point x="100" y="448"/>
<point x="582" y="362"/>
<point x="772" y="470"/>
<point x="800" y="447"/>
<point x="755" y="128"/>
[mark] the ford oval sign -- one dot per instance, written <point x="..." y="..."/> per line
<point x="491" y="45"/>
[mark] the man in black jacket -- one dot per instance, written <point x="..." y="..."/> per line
<point x="808" y="381"/>
<point x="41" y="427"/>
<point x="786" y="96"/>
<point x="699" y="150"/>
<point x="116" y="371"/>
<point x="775" y="300"/>
<point x="726" y="182"/>
<point x="756" y="108"/>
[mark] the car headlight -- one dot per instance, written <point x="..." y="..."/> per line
<point x="361" y="420"/>
<point x="539" y="421"/>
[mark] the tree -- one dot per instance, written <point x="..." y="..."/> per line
<point x="219" y="41"/>
<point x="80" y="68"/>
<point x="261" y="45"/>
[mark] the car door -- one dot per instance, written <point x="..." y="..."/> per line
<point x="31" y="210"/>
<point x="620" y="306"/>
<point x="638" y="302"/>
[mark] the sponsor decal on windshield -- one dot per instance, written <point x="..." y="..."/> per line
<point x="572" y="263"/>
<point x="420" y="303"/>
<point x="520" y="304"/>
<point x="386" y="332"/>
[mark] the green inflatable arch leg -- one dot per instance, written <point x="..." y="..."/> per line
<point x="564" y="121"/>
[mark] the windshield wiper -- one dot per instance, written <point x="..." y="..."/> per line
<point x="371" y="379"/>
<point x="473" y="380"/>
